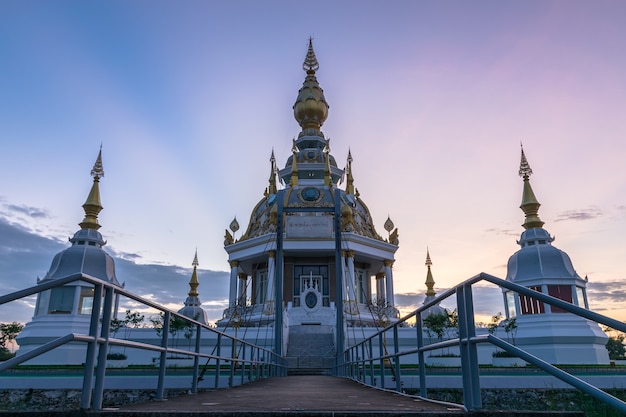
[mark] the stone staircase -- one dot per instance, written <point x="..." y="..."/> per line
<point x="311" y="350"/>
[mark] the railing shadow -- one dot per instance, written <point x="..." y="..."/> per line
<point x="361" y="363"/>
<point x="239" y="359"/>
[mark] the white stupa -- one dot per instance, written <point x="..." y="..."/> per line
<point x="550" y="333"/>
<point x="67" y="309"/>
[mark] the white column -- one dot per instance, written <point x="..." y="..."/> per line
<point x="350" y="278"/>
<point x="243" y="278"/>
<point x="232" y="294"/>
<point x="380" y="286"/>
<point x="389" y="276"/>
<point x="269" y="297"/>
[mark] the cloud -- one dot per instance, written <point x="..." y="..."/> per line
<point x="605" y="295"/>
<point x="501" y="231"/>
<point x="33" y="212"/>
<point x="25" y="255"/>
<point x="487" y="301"/>
<point x="584" y="214"/>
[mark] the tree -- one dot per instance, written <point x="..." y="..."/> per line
<point x="8" y="333"/>
<point x="615" y="346"/>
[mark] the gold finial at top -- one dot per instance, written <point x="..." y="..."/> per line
<point x="530" y="205"/>
<point x="328" y="179"/>
<point x="350" y="178"/>
<point x="430" y="281"/>
<point x="310" y="64"/>
<point x="524" y="167"/>
<point x="294" y="166"/>
<point x="193" y="282"/>
<point x="98" y="171"/>
<point x="272" y="188"/>
<point x="93" y="206"/>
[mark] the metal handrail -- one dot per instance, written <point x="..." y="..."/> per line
<point x="360" y="361"/>
<point x="261" y="363"/>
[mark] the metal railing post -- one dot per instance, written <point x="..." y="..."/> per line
<point x="217" y="361"/>
<point x="107" y="311"/>
<point x="419" y="329"/>
<point x="382" y="360"/>
<point x="196" y="361"/>
<point x="90" y="359"/>
<point x="396" y="357"/>
<point x="163" y="365"/>
<point x="469" y="354"/>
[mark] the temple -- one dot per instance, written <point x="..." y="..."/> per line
<point x="311" y="240"/>
<point x="311" y="266"/>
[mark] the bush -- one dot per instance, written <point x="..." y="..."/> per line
<point x="6" y="354"/>
<point x="117" y="356"/>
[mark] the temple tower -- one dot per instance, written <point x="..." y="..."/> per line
<point x="67" y="309"/>
<point x="310" y="246"/>
<point x="550" y="333"/>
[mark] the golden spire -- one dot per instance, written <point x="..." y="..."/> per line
<point x="349" y="177"/>
<point x="272" y="188"/>
<point x="530" y="205"/>
<point x="310" y="109"/>
<point x="430" y="282"/>
<point x="193" y="282"/>
<point x="328" y="180"/>
<point x="294" y="165"/>
<point x="92" y="206"/>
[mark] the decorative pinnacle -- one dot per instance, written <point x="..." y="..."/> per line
<point x="524" y="167"/>
<point x="294" y="166"/>
<point x="430" y="281"/>
<point x="193" y="282"/>
<point x="272" y="188"/>
<point x="234" y="225"/>
<point x="328" y="180"/>
<point x="97" y="171"/>
<point x="530" y="205"/>
<point x="388" y="224"/>
<point x="93" y="206"/>
<point x="310" y="64"/>
<point x="350" y="179"/>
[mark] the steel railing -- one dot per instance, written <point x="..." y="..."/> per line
<point x="244" y="361"/>
<point x="361" y="363"/>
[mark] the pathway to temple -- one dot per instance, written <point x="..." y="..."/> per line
<point x="296" y="393"/>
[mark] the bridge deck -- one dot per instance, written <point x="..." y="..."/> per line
<point x="295" y="393"/>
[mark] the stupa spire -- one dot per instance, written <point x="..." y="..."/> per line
<point x="310" y="108"/>
<point x="193" y="282"/>
<point x="310" y="64"/>
<point x="430" y="281"/>
<point x="349" y="177"/>
<point x="93" y="206"/>
<point x="530" y="205"/>
<point x="328" y="180"/>
<point x="294" y="166"/>
<point x="272" y="188"/>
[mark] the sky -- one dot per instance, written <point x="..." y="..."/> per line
<point x="433" y="99"/>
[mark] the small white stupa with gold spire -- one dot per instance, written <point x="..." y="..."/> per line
<point x="67" y="309"/>
<point x="192" y="307"/>
<point x="550" y="333"/>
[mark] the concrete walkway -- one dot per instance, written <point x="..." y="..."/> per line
<point x="295" y="393"/>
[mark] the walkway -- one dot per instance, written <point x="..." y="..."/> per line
<point x="296" y="393"/>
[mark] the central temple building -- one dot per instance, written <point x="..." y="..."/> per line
<point x="311" y="255"/>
